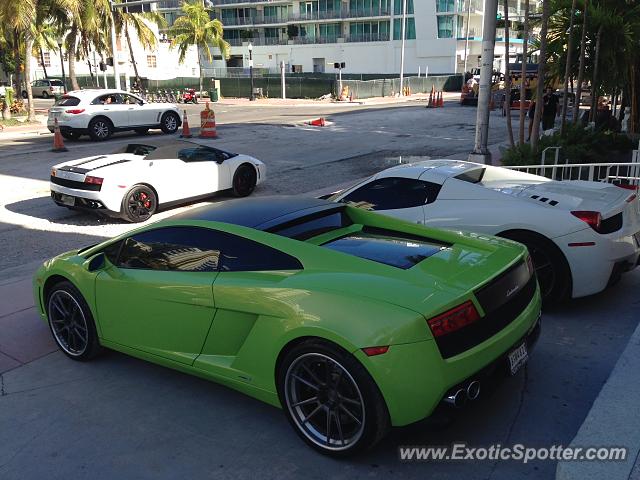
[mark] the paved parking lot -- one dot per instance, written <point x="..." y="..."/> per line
<point x="118" y="417"/>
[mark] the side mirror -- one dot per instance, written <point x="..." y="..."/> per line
<point x="140" y="102"/>
<point x="96" y="263"/>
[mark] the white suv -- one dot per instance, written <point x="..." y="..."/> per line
<point x="100" y="113"/>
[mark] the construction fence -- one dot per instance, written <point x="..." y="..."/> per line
<point x="297" y="85"/>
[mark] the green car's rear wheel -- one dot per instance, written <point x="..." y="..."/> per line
<point x="71" y="322"/>
<point x="331" y="400"/>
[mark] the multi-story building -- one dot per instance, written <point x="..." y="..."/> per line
<point x="311" y="35"/>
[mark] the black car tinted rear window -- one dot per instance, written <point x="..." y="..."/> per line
<point x="68" y="101"/>
<point x="55" y="83"/>
<point x="390" y="248"/>
<point x="313" y="225"/>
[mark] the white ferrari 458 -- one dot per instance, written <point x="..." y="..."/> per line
<point x="582" y="235"/>
<point x="138" y="179"/>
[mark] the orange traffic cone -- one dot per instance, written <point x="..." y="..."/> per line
<point x="186" y="131"/>
<point x="317" y="123"/>
<point x="58" y="144"/>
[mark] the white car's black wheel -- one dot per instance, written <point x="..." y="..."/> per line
<point x="244" y="180"/>
<point x="139" y="204"/>
<point x="45" y="95"/>
<point x="100" y="129"/>
<point x="330" y="399"/>
<point x="71" y="322"/>
<point x="169" y="122"/>
<point x="549" y="263"/>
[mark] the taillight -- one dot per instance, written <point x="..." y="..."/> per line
<point x="74" y="111"/>
<point x="454" y="319"/>
<point x="593" y="219"/>
<point x="93" y="180"/>
<point x="53" y="172"/>
<point x="626" y="186"/>
<point x="632" y="198"/>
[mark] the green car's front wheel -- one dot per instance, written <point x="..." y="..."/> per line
<point x="331" y="400"/>
<point x="71" y="322"/>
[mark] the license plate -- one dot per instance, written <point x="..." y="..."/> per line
<point x="518" y="357"/>
<point x="54" y="114"/>
<point x="67" y="200"/>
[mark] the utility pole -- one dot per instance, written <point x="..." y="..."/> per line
<point x="252" y="98"/>
<point x="480" y="151"/>
<point x="404" y="34"/>
<point x="114" y="48"/>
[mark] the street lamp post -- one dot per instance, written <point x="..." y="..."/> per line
<point x="64" y="79"/>
<point x="404" y="35"/>
<point x="114" y="47"/>
<point x="252" y="97"/>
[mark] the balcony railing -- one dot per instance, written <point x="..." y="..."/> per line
<point x="169" y="3"/>
<point x="260" y="19"/>
<point x="262" y="41"/>
<point x="232" y="2"/>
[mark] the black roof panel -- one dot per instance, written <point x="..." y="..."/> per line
<point x="257" y="212"/>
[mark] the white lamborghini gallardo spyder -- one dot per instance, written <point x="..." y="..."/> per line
<point x="138" y="179"/>
<point x="581" y="235"/>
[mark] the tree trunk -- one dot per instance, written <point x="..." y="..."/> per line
<point x="523" y="89"/>
<point x="594" y="80"/>
<point x="633" y="114"/>
<point x="507" y="74"/>
<point x="583" y="43"/>
<point x="133" y="60"/>
<point x="18" y="78"/>
<point x="71" y="54"/>
<point x="567" y="69"/>
<point x="44" y="68"/>
<point x="535" y="132"/>
<point x="31" y="115"/>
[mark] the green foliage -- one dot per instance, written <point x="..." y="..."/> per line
<point x="578" y="145"/>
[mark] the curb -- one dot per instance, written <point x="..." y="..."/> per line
<point x="613" y="421"/>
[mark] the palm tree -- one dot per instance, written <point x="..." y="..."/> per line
<point x="583" y="43"/>
<point x="44" y="38"/>
<point x="535" y="132"/>
<point x="567" y="70"/>
<point x="195" y="27"/>
<point x="523" y="87"/>
<point x="145" y="35"/>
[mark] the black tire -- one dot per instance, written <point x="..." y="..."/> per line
<point x="100" y="129"/>
<point x="169" y="122"/>
<point x="139" y="204"/>
<point x="45" y="95"/>
<point x="552" y="268"/>
<point x="71" y="322"/>
<point x="141" y="131"/>
<point x="70" y="135"/>
<point x="356" y="406"/>
<point x="244" y="180"/>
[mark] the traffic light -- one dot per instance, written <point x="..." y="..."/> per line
<point x="109" y="61"/>
<point x="339" y="65"/>
<point x="103" y="67"/>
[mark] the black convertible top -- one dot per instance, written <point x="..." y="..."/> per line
<point x="261" y="213"/>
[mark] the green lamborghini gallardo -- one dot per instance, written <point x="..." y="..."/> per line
<point x="350" y="321"/>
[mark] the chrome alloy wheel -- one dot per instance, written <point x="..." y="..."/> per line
<point x="68" y="323"/>
<point x="324" y="401"/>
<point x="101" y="129"/>
<point x="171" y="123"/>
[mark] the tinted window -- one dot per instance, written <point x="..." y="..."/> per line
<point x="110" y="99"/>
<point x="176" y="249"/>
<point x="313" y="225"/>
<point x="193" y="249"/>
<point x="68" y="101"/>
<point x="202" y="154"/>
<point x="473" y="176"/>
<point x="393" y="193"/>
<point x="390" y="248"/>
<point x="112" y="252"/>
<point x="242" y="255"/>
<point x="55" y="83"/>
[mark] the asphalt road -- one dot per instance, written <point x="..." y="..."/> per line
<point x="119" y="417"/>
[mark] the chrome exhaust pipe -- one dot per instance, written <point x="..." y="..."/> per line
<point x="458" y="399"/>
<point x="473" y="390"/>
